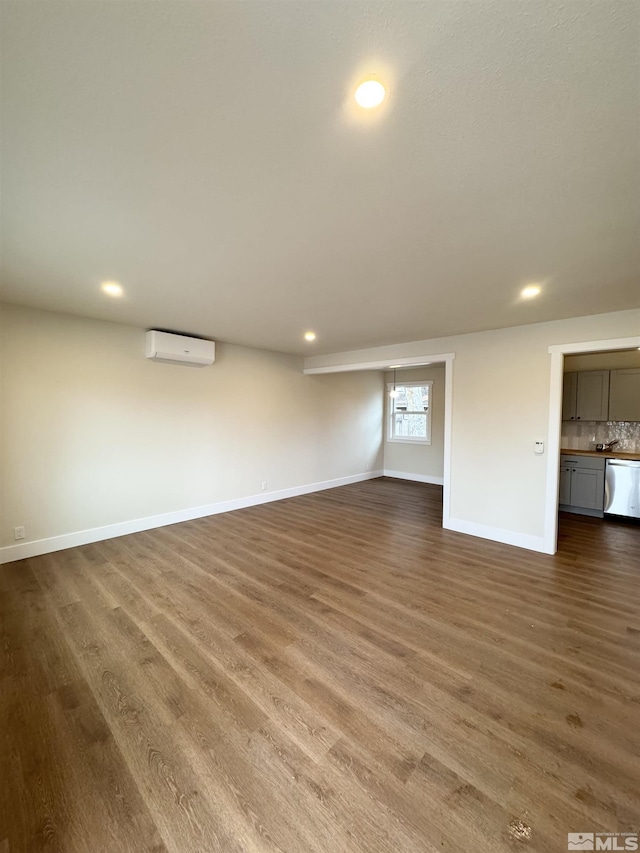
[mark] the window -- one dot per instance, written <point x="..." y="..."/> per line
<point x="410" y="413"/>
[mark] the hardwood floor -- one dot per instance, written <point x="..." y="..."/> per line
<point x="329" y="673"/>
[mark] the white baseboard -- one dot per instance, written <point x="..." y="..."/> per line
<point x="10" y="553"/>
<point x="417" y="478"/>
<point x="497" y="534"/>
<point x="483" y="531"/>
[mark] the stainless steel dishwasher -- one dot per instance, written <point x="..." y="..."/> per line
<point x="622" y="488"/>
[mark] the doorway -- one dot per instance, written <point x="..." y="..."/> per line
<point x="404" y="363"/>
<point x="588" y="425"/>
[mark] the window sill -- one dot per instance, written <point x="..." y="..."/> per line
<point x="408" y="441"/>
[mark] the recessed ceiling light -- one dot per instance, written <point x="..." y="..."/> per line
<point x="370" y="94"/>
<point x="112" y="288"/>
<point x="309" y="336"/>
<point x="530" y="291"/>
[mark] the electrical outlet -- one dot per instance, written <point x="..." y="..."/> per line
<point x="264" y="485"/>
<point x="18" y="532"/>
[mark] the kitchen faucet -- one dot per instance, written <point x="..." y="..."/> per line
<point x="608" y="446"/>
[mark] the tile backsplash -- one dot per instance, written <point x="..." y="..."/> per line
<point x="586" y="434"/>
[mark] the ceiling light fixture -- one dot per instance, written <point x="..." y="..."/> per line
<point x="370" y="94"/>
<point x="394" y="393"/>
<point x="530" y="291"/>
<point x="112" y="288"/>
<point x="309" y="336"/>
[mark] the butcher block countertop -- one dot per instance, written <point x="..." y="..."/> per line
<point x="603" y="454"/>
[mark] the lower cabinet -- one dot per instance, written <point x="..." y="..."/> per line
<point x="582" y="484"/>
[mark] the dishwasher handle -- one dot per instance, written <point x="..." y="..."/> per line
<point x="623" y="463"/>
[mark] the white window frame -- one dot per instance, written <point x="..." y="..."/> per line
<point x="391" y="412"/>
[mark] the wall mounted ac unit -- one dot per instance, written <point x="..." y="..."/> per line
<point x="179" y="349"/>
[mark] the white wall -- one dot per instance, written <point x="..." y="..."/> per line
<point x="501" y="391"/>
<point x="424" y="461"/>
<point x="94" y="434"/>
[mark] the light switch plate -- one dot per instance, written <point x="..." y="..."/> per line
<point x="538" y="447"/>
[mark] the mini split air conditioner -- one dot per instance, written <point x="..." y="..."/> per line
<point x="179" y="349"/>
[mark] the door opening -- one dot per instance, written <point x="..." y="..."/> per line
<point x="594" y="427"/>
<point x="403" y="363"/>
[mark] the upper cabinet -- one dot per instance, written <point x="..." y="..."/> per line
<point x="602" y="395"/>
<point x="586" y="396"/>
<point x="569" y="396"/>
<point x="624" y="395"/>
<point x="592" y="402"/>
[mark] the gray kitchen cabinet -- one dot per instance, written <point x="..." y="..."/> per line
<point x="587" y="488"/>
<point x="582" y="484"/>
<point x="592" y="402"/>
<point x="569" y="396"/>
<point x="624" y="395"/>
<point x="585" y="396"/>
<point x="564" y="496"/>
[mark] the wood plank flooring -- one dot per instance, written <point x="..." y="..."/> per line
<point x="329" y="673"/>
